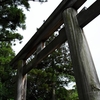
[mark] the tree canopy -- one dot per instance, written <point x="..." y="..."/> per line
<point x="6" y="54"/>
<point x="11" y="17"/>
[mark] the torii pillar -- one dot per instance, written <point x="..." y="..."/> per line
<point x="85" y="74"/>
<point x="21" y="82"/>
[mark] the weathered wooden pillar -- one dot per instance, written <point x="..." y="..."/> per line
<point x="21" y="82"/>
<point x="86" y="77"/>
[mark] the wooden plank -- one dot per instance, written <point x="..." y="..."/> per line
<point x="78" y="4"/>
<point x="85" y="74"/>
<point x="52" y="23"/>
<point x="61" y="38"/>
<point x="89" y="14"/>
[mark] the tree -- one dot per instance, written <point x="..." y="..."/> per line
<point x="6" y="54"/>
<point x="11" y="17"/>
<point x="48" y="79"/>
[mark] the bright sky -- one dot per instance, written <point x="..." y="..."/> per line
<point x="40" y="12"/>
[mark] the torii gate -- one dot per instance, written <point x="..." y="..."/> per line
<point x="85" y="74"/>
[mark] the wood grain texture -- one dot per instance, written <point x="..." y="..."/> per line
<point x="86" y="77"/>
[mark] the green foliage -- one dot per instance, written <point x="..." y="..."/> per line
<point x="52" y="74"/>
<point x="12" y="17"/>
<point x="6" y="54"/>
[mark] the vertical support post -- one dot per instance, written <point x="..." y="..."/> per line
<point x="21" y="82"/>
<point x="24" y="87"/>
<point x="85" y="74"/>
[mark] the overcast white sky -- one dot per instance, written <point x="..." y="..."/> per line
<point x="40" y="12"/>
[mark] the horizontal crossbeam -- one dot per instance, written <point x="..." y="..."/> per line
<point x="48" y="28"/>
<point x="89" y="14"/>
<point x="61" y="38"/>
